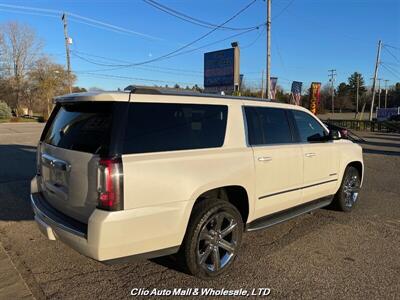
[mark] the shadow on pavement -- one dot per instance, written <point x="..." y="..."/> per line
<point x="385" y="138"/>
<point x="382" y="152"/>
<point x="387" y="134"/>
<point x="380" y="144"/>
<point x="18" y="164"/>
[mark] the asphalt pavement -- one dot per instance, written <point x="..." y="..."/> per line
<point x="323" y="254"/>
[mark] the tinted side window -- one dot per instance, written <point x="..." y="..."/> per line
<point x="82" y="126"/>
<point x="155" y="127"/>
<point x="267" y="126"/>
<point x="309" y="128"/>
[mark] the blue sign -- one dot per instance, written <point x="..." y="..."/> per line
<point x="383" y="114"/>
<point x="219" y="68"/>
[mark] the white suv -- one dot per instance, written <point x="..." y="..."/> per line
<point x="152" y="172"/>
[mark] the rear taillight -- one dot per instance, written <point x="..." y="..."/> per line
<point x="110" y="184"/>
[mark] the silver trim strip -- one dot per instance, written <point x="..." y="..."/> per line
<point x="296" y="189"/>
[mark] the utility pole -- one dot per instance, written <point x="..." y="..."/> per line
<point x="67" y="42"/>
<point x="332" y="80"/>
<point x="379" y="92"/>
<point x="358" y="87"/>
<point x="268" y="71"/>
<point x="375" y="76"/>
<point x="262" y="84"/>
<point x="386" y="92"/>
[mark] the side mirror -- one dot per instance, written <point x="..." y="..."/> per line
<point x="334" y="135"/>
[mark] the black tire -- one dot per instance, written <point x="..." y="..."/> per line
<point x="205" y="218"/>
<point x="347" y="195"/>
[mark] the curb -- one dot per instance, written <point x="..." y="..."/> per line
<point x="12" y="285"/>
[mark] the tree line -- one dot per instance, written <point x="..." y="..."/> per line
<point x="28" y="77"/>
<point x="345" y="96"/>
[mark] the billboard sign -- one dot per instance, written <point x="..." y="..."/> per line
<point x="383" y="114"/>
<point x="219" y="70"/>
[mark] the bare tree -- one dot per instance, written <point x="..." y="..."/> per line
<point x="46" y="80"/>
<point x="19" y="49"/>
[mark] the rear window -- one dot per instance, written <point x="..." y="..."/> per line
<point x="82" y="127"/>
<point x="156" y="127"/>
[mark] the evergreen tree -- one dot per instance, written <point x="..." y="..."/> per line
<point x="352" y="86"/>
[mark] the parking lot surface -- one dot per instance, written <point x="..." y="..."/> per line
<point x="324" y="254"/>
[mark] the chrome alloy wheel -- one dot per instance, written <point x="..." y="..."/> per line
<point x="351" y="189"/>
<point x="217" y="242"/>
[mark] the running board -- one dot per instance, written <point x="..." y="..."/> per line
<point x="287" y="214"/>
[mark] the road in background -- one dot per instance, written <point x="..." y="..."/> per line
<point x="324" y="254"/>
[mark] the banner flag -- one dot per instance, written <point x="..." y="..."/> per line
<point x="315" y="97"/>
<point x="273" y="83"/>
<point x="296" y="92"/>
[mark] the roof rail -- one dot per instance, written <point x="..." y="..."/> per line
<point x="140" y="89"/>
<point x="137" y="89"/>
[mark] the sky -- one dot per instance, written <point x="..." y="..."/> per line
<point x="309" y="37"/>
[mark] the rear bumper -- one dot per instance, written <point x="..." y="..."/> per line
<point x="115" y="236"/>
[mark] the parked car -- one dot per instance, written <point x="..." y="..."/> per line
<point x="151" y="172"/>
<point x="344" y="133"/>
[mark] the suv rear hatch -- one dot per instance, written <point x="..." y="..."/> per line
<point x="77" y="135"/>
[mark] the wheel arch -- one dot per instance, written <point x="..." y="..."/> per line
<point x="237" y="195"/>
<point x="358" y="165"/>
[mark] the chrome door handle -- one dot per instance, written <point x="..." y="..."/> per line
<point x="310" y="154"/>
<point x="264" y="158"/>
<point x="55" y="162"/>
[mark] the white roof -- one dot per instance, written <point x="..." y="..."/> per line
<point x="172" y="97"/>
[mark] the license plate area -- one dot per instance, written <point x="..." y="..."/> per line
<point x="55" y="174"/>
<point x="58" y="177"/>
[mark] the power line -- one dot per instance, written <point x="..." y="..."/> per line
<point x="390" y="63"/>
<point x="166" y="56"/>
<point x="215" y="42"/>
<point x="283" y="10"/>
<point x="77" y="18"/>
<point x="201" y="37"/>
<point x="114" y="27"/>
<point x="178" y="51"/>
<point x="255" y="40"/>
<point x="391" y="54"/>
<point x="27" y="13"/>
<point x="397" y="48"/>
<point x="148" y="68"/>
<point x="393" y="69"/>
<point x="386" y="67"/>
<point x="190" y="19"/>
<point x="142" y="67"/>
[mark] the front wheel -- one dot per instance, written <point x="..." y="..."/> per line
<point x="212" y="239"/>
<point x="349" y="190"/>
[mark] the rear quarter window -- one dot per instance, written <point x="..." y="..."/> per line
<point x="157" y="127"/>
<point x="82" y="127"/>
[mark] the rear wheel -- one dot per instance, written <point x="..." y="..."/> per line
<point x="349" y="190"/>
<point x="212" y="239"/>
